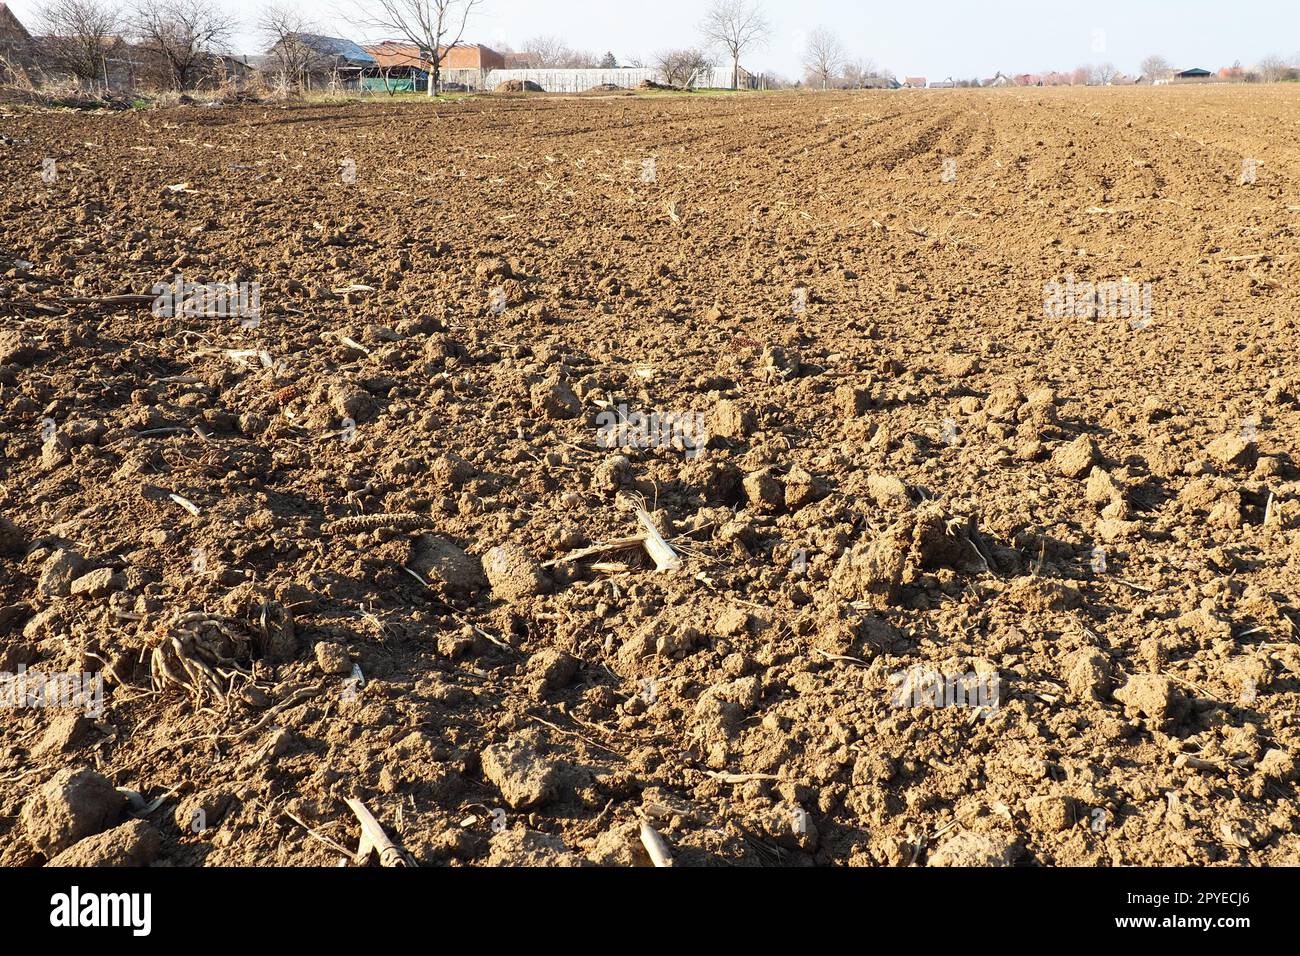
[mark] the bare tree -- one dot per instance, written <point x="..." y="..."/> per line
<point x="183" y="34"/>
<point x="78" y="35"/>
<point x="823" y="57"/>
<point x="1156" y="68"/>
<point x="864" y="74"/>
<point x="855" y="73"/>
<point x="547" y="52"/>
<point x="736" y="26"/>
<point x="1102" y="73"/>
<point x="678" y="67"/>
<point x="283" y="27"/>
<point x="434" y="26"/>
<point x="1272" y="69"/>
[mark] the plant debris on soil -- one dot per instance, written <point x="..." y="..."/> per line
<point x="881" y="563"/>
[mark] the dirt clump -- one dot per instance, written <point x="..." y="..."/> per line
<point x="134" y="843"/>
<point x="74" y="804"/>
<point x="524" y="778"/>
<point x="512" y="573"/>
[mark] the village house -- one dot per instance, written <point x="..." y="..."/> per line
<point x="16" y="46"/>
<point x="401" y="66"/>
<point x="122" y="65"/>
<point x="13" y="35"/>
<point x="38" y="60"/>
<point x="321" y="62"/>
<point x="235" y="71"/>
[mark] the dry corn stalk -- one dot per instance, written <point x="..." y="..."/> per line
<point x="373" y="838"/>
<point x="665" y="558"/>
<point x="655" y="846"/>
<point x="395" y="522"/>
<point x="606" y="547"/>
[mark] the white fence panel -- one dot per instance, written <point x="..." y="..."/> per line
<point x="573" y="81"/>
<point x="721" y="78"/>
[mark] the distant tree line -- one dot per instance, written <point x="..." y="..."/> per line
<point x="174" y="44"/>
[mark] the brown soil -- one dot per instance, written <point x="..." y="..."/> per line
<point x="910" y="470"/>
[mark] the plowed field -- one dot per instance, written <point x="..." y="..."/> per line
<point x="971" y="417"/>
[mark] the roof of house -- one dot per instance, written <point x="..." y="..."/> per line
<point x="237" y="60"/>
<point x="11" y="27"/>
<point x="472" y="46"/>
<point x="1195" y="71"/>
<point x="914" y="81"/>
<point x="336" y="46"/>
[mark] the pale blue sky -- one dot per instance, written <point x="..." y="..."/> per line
<point x="932" y="38"/>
